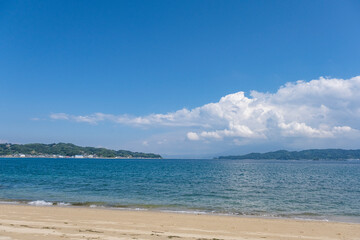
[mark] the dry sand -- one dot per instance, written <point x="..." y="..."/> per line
<point x="37" y="223"/>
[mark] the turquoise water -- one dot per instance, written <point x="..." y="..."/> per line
<point x="296" y="189"/>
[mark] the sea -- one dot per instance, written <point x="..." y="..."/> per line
<point x="301" y="189"/>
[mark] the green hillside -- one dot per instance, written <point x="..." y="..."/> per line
<point x="312" y="154"/>
<point x="68" y="149"/>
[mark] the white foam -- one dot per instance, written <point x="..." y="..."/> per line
<point x="139" y="209"/>
<point x="63" y="204"/>
<point x="186" y="212"/>
<point x="40" y="203"/>
<point x="9" y="202"/>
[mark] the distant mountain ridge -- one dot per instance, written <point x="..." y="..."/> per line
<point x="311" y="154"/>
<point x="67" y="150"/>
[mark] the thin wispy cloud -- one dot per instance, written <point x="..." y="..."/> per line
<point x="322" y="108"/>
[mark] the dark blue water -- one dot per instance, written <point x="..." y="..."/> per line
<point x="305" y="189"/>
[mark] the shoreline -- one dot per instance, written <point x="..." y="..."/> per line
<point x="56" y="222"/>
<point x="158" y="209"/>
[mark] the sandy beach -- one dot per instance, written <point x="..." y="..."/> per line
<point x="30" y="222"/>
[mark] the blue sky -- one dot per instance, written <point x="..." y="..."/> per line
<point x="61" y="63"/>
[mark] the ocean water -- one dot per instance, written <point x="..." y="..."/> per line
<point x="323" y="190"/>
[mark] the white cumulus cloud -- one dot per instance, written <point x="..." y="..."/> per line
<point x="192" y="136"/>
<point x="318" y="109"/>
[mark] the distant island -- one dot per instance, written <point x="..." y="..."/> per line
<point x="63" y="150"/>
<point x="311" y="154"/>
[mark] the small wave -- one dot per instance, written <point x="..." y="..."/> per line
<point x="89" y="204"/>
<point x="186" y="212"/>
<point x="9" y="202"/>
<point x="40" y="203"/>
<point x="63" y="204"/>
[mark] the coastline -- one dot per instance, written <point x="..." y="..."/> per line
<point x="176" y="210"/>
<point x="56" y="222"/>
<point x="15" y="157"/>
